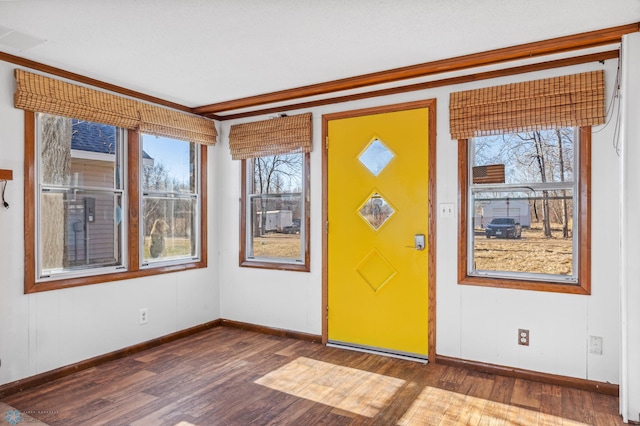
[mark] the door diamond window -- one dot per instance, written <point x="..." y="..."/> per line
<point x="376" y="211"/>
<point x="376" y="157"/>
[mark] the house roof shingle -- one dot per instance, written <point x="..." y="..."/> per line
<point x="94" y="137"/>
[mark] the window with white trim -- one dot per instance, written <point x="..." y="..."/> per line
<point x="542" y="240"/>
<point x="275" y="211"/>
<point x="170" y="200"/>
<point x="80" y="197"/>
<point x="523" y="198"/>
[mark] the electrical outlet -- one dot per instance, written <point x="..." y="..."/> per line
<point x="523" y="337"/>
<point x="595" y="345"/>
<point x="144" y="315"/>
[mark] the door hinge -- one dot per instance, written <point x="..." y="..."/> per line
<point x="327" y="312"/>
<point x="326" y="143"/>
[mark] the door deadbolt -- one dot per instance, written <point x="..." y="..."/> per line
<point x="418" y="241"/>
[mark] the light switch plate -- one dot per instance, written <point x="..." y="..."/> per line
<point x="447" y="210"/>
<point x="595" y="345"/>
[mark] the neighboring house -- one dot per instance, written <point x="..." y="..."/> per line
<point x="91" y="216"/>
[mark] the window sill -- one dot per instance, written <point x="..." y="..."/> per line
<point x="35" y="287"/>
<point x="278" y="266"/>
<point x="524" y="285"/>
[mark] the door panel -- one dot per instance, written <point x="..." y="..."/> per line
<point x="377" y="201"/>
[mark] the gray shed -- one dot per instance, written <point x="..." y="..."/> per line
<point x="519" y="210"/>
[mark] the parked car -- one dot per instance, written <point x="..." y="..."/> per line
<point x="504" y="227"/>
<point x="294" y="228"/>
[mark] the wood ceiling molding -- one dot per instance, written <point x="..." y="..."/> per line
<point x="559" y="63"/>
<point x="523" y="51"/>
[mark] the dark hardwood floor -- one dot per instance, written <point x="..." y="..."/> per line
<point x="227" y="376"/>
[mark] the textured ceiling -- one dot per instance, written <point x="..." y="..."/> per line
<point x="197" y="52"/>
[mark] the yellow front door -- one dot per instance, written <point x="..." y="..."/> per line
<point x="377" y="211"/>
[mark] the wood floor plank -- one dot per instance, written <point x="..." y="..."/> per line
<point x="527" y="394"/>
<point x="416" y="378"/>
<point x="551" y="400"/>
<point x="546" y="419"/>
<point x="577" y="406"/>
<point x="603" y="419"/>
<point x="502" y="389"/>
<point x="494" y="414"/>
<point x="453" y="378"/>
<point x="113" y="412"/>
<point x="428" y="408"/>
<point x="604" y="403"/>
<point x="293" y="412"/>
<point x="228" y="376"/>
<point x="517" y="415"/>
<point x="471" y="411"/>
<point x="479" y="386"/>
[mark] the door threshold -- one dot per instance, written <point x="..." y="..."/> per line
<point x="377" y="351"/>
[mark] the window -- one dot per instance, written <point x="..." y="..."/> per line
<point x="524" y="182"/>
<point x="525" y="219"/>
<point x="170" y="201"/>
<point x="87" y="180"/>
<point x="80" y="197"/>
<point x="274" y="208"/>
<point x="275" y="211"/>
<point x="93" y="193"/>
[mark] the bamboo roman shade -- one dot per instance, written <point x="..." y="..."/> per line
<point x="42" y="94"/>
<point x="166" y="122"/>
<point x="270" y="137"/>
<point x="567" y="101"/>
<point x="38" y="93"/>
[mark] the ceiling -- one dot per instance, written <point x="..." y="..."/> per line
<point x="199" y="52"/>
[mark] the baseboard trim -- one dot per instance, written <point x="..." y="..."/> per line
<point x="582" y="384"/>
<point x="272" y="331"/>
<point x="39" y="379"/>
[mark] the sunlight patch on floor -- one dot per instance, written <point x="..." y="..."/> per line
<point x="436" y="406"/>
<point x="349" y="389"/>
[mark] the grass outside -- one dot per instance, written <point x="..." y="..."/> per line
<point x="277" y="245"/>
<point x="532" y="253"/>
<point x="173" y="247"/>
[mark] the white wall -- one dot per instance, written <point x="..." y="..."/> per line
<point x="44" y="331"/>
<point x="630" y="230"/>
<point x="473" y="323"/>
<point x="281" y="299"/>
